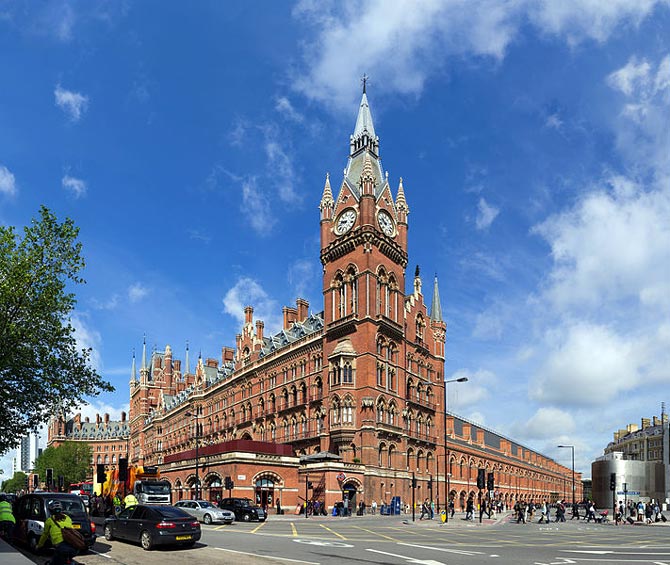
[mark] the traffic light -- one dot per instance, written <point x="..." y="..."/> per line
<point x="309" y="484"/>
<point x="123" y="469"/>
<point x="228" y="483"/>
<point x="50" y="477"/>
<point x="413" y="482"/>
<point x="481" y="479"/>
<point x="490" y="484"/>
<point x="430" y="484"/>
<point x="36" y="481"/>
<point x="100" y="473"/>
<point x="27" y="487"/>
<point x="612" y="481"/>
<point x="61" y="482"/>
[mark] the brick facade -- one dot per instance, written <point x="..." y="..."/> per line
<point x="350" y="399"/>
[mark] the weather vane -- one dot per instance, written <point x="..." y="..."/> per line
<point x="364" y="80"/>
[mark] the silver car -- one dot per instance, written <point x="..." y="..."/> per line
<point x="205" y="511"/>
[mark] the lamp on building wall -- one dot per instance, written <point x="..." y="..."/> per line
<point x="447" y="463"/>
<point x="197" y="446"/>
<point x="572" y="447"/>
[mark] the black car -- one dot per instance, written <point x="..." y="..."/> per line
<point x="243" y="508"/>
<point x="152" y="525"/>
<point x="32" y="510"/>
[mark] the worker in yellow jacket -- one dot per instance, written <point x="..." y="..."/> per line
<point x="7" y="520"/>
<point x="53" y="531"/>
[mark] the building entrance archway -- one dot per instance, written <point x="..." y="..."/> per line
<point x="349" y="491"/>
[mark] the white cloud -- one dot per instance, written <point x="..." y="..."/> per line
<point x="248" y="292"/>
<point x="90" y="410"/>
<point x="416" y="39"/>
<point x="7" y="181"/>
<point x="302" y="274"/>
<point x="587" y="365"/>
<point x="631" y="77"/>
<point x="485" y="215"/>
<point x="547" y="423"/>
<point x="87" y="337"/>
<point x="256" y="206"/>
<point x="476" y="390"/>
<point x="76" y="186"/>
<point x="109" y="304"/>
<point x="137" y="292"/>
<point x="74" y="104"/>
<point x="286" y="109"/>
<point x="554" y="121"/>
<point x="488" y="325"/>
<point x="614" y="244"/>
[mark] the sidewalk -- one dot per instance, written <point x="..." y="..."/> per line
<point x="11" y="556"/>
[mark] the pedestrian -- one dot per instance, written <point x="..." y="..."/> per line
<point x="373" y="505"/>
<point x="470" y="509"/>
<point x="520" y="510"/>
<point x="130" y="500"/>
<point x="7" y="520"/>
<point x="560" y="511"/>
<point x="278" y="507"/>
<point x="53" y="532"/>
<point x="575" y="511"/>
<point x="591" y="512"/>
<point x="425" y="510"/>
<point x="543" y="513"/>
<point x="482" y="509"/>
<point x="452" y="507"/>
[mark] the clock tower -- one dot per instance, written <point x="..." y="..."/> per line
<point x="383" y="354"/>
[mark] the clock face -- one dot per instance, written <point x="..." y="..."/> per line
<point x="386" y="223"/>
<point x="345" y="221"/>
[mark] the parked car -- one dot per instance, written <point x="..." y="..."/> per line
<point x="32" y="510"/>
<point x="205" y="511"/>
<point x="243" y="508"/>
<point x="153" y="525"/>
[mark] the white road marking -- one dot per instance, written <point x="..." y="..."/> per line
<point x="267" y="556"/>
<point x="408" y="559"/>
<point x="101" y="554"/>
<point x="326" y="543"/>
<point x="445" y="549"/>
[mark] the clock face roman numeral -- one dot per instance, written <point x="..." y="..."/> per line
<point x="345" y="221"/>
<point x="386" y="223"/>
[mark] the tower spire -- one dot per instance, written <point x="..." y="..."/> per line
<point x="133" y="370"/>
<point x="327" y="197"/>
<point x="144" y="353"/>
<point x="364" y="120"/>
<point x="436" y="306"/>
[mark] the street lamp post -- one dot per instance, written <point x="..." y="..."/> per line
<point x="572" y="448"/>
<point x="447" y="463"/>
<point x="197" y="447"/>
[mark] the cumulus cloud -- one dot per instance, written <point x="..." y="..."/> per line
<point x="74" y="104"/>
<point x="470" y="393"/>
<point x="86" y="338"/>
<point x="614" y="244"/>
<point x="414" y="40"/>
<point x="547" y="422"/>
<point x="137" y="292"/>
<point x="92" y="409"/>
<point x="588" y="364"/>
<point x="485" y="214"/>
<point x="248" y="292"/>
<point x="7" y="181"/>
<point x="76" y="187"/>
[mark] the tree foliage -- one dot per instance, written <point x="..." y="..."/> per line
<point x="16" y="483"/>
<point x="71" y="460"/>
<point x="42" y="370"/>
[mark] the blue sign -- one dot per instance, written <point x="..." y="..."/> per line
<point x="629" y="493"/>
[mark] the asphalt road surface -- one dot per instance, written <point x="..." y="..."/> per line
<point x="396" y="541"/>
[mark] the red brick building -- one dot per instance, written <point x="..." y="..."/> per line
<point x="350" y="399"/>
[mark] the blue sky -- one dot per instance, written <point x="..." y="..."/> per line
<point x="190" y="144"/>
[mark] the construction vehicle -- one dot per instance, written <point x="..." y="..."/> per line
<point x="144" y="482"/>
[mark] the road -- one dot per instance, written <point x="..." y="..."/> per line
<point x="396" y="541"/>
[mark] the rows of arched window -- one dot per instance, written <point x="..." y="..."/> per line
<point x="342" y="411"/>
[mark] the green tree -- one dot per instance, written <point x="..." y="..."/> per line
<point x="43" y="372"/>
<point x="71" y="460"/>
<point x="16" y="483"/>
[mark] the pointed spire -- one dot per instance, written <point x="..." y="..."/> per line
<point x="133" y="370"/>
<point x="364" y="120"/>
<point x="144" y="353"/>
<point x="400" y="201"/>
<point x="436" y="306"/>
<point x="327" y="198"/>
<point x="188" y="362"/>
